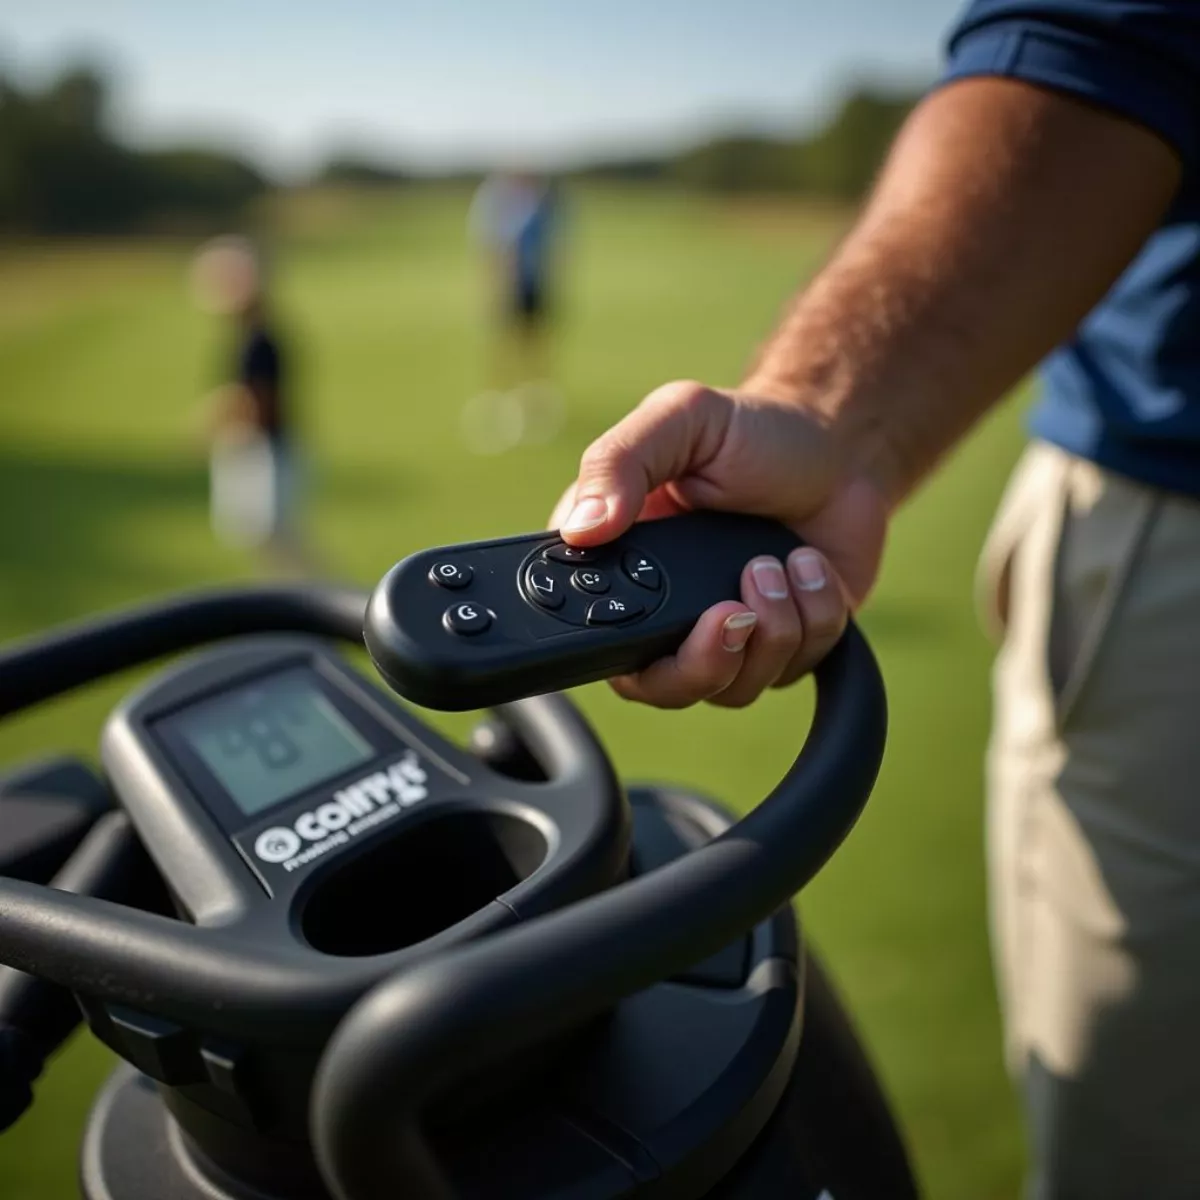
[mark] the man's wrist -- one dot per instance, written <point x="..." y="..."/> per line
<point x="857" y="432"/>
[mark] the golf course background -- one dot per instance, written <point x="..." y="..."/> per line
<point x="103" y="502"/>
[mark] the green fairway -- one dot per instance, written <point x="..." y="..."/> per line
<point x="102" y="501"/>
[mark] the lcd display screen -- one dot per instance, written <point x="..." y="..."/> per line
<point x="271" y="739"/>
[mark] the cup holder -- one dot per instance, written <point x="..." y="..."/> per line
<point x="408" y="888"/>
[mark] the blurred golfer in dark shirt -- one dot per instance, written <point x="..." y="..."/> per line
<point x="254" y="484"/>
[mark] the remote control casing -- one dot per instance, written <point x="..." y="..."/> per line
<point x="526" y="649"/>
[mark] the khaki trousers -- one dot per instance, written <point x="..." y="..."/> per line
<point x="1093" y="583"/>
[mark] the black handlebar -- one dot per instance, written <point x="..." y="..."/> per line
<point x="37" y="1017"/>
<point x="49" y="665"/>
<point x="422" y="1031"/>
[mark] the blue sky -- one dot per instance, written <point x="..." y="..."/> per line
<point x="506" y="80"/>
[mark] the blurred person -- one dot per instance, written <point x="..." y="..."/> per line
<point x="254" y="484"/>
<point x="516" y="218"/>
<point x="1042" y="204"/>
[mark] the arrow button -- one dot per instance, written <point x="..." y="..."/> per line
<point x="613" y="610"/>
<point x="642" y="570"/>
<point x="544" y="589"/>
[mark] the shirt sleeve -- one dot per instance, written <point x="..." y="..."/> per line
<point x="1138" y="58"/>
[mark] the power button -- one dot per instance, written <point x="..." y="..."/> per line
<point x="450" y="575"/>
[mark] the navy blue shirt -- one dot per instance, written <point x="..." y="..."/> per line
<point x="258" y="368"/>
<point x="1125" y="390"/>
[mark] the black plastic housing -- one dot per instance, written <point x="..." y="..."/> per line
<point x="528" y="650"/>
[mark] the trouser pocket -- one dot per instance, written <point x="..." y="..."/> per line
<point x="1060" y="552"/>
<point x="1035" y="482"/>
<point x="1106" y="523"/>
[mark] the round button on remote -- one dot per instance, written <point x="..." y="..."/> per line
<point x="561" y="552"/>
<point x="467" y="618"/>
<point x="588" y="579"/>
<point x="544" y="589"/>
<point x="451" y="575"/>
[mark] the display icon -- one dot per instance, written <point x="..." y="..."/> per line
<point x="276" y="845"/>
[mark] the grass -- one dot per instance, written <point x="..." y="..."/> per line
<point x="102" y="501"/>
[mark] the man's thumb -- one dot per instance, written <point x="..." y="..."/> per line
<point x="674" y="427"/>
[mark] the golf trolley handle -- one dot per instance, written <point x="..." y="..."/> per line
<point x="47" y="666"/>
<point x="420" y="1032"/>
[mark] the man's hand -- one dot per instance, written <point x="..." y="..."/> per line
<point x="687" y="446"/>
<point x="976" y="254"/>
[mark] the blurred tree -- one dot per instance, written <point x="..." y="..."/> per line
<point x="77" y="99"/>
<point x="351" y="170"/>
<point x="62" y="171"/>
<point x="626" y="170"/>
<point x="842" y="159"/>
<point x="206" y="186"/>
<point x="13" y="117"/>
<point x="839" y="160"/>
<point x="743" y="164"/>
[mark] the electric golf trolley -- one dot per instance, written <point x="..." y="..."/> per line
<point x="341" y="955"/>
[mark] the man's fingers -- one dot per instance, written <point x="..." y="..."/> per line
<point x="824" y="610"/>
<point x="660" y="503"/>
<point x="670" y="432"/>
<point x="778" y="633"/>
<point x="706" y="664"/>
<point x="563" y="508"/>
<point x="792" y="616"/>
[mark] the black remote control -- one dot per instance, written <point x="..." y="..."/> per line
<point x="486" y="622"/>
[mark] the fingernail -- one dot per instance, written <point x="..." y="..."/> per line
<point x="769" y="579"/>
<point x="736" y="631"/>
<point x="586" y="514"/>
<point x="808" y="570"/>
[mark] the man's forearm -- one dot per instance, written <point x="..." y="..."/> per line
<point x="1002" y="216"/>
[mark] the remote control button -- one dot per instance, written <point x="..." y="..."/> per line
<point x="544" y="588"/>
<point x="588" y="579"/>
<point x="467" y="618"/>
<point x="642" y="571"/>
<point x="451" y="575"/>
<point x="571" y="554"/>
<point x="613" y="611"/>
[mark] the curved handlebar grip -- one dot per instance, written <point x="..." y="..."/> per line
<point x="37" y="1017"/>
<point x="48" y="665"/>
<point x="422" y="1031"/>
